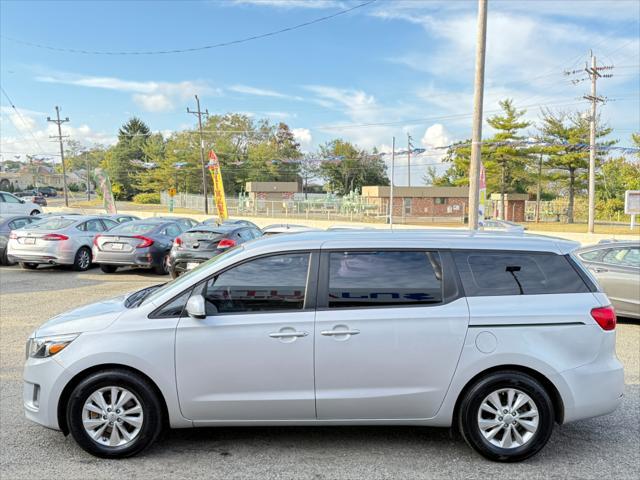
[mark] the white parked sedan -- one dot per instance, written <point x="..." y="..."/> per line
<point x="497" y="335"/>
<point x="12" y="205"/>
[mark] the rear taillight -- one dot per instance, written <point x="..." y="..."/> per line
<point x="605" y="316"/>
<point x="95" y="240"/>
<point x="13" y="236"/>
<point x="178" y="241"/>
<point x="146" y="241"/>
<point x="55" y="237"/>
<point x="226" y="243"/>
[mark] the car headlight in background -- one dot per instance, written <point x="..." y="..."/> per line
<point x="48" y="346"/>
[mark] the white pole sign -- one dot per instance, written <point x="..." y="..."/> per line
<point x="632" y="205"/>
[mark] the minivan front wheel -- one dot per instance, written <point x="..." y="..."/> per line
<point x="506" y="416"/>
<point x="114" y="414"/>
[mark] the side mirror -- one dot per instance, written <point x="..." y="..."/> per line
<point x="195" y="307"/>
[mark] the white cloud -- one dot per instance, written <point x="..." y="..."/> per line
<point x="150" y="95"/>
<point x="303" y="137"/>
<point x="291" y="3"/>
<point x="30" y="135"/>
<point x="435" y="136"/>
<point x="261" y="92"/>
<point x="153" y="103"/>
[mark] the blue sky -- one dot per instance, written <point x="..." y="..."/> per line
<point x="389" y="68"/>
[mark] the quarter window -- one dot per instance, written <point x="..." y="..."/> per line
<point x="623" y="256"/>
<point x="491" y="273"/>
<point x="384" y="278"/>
<point x="275" y="283"/>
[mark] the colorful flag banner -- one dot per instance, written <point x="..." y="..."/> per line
<point x="218" y="187"/>
<point x="105" y="187"/>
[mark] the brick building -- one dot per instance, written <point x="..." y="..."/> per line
<point x="271" y="196"/>
<point x="514" y="206"/>
<point x="428" y="203"/>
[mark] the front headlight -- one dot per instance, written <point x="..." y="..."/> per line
<point x="47" y="346"/>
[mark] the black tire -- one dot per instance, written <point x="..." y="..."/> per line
<point x="470" y="407"/>
<point x="82" y="260"/>
<point x="4" y="260"/>
<point x="108" y="268"/>
<point x="35" y="212"/>
<point x="163" y="268"/>
<point x="151" y="410"/>
<point x="28" y="265"/>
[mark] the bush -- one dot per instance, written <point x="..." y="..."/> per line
<point x="147" y="198"/>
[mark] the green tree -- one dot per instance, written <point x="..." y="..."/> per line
<point x="345" y="168"/>
<point x="567" y="158"/>
<point x="510" y="162"/>
<point x="125" y="160"/>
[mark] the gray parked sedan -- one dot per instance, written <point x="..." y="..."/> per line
<point x="8" y="223"/>
<point x="141" y="243"/>
<point x="57" y="240"/>
<point x="616" y="265"/>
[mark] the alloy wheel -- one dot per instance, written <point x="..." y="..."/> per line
<point x="508" y="418"/>
<point x="112" y="416"/>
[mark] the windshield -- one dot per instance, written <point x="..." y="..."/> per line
<point x="135" y="228"/>
<point x="51" y="224"/>
<point x="185" y="278"/>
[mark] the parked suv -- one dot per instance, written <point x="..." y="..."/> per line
<point x="497" y="335"/>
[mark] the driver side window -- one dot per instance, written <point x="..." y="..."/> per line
<point x="266" y="284"/>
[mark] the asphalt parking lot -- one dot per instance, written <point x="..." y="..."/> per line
<point x="605" y="447"/>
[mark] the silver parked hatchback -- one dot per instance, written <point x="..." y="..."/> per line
<point x="57" y="240"/>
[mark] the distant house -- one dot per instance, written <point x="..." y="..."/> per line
<point x="428" y="203"/>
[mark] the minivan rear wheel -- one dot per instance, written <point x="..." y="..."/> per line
<point x="506" y="416"/>
<point x="114" y="414"/>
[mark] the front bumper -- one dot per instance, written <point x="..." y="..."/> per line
<point x="44" y="381"/>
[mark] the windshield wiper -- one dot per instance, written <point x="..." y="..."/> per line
<point x="136" y="298"/>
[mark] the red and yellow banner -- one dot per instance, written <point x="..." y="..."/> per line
<point x="218" y="187"/>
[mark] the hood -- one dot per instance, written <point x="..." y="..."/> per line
<point x="88" y="318"/>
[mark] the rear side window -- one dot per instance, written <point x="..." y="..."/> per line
<point x="629" y="257"/>
<point x="384" y="278"/>
<point x="517" y="273"/>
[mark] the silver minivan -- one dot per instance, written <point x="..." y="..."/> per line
<point x="499" y="336"/>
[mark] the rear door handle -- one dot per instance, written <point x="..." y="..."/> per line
<point x="288" y="334"/>
<point x="339" y="332"/>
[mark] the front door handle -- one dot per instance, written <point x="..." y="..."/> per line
<point x="339" y="332"/>
<point x="293" y="334"/>
<point x="599" y="269"/>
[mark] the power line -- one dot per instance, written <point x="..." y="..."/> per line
<point x="24" y="122"/>
<point x="193" y="49"/>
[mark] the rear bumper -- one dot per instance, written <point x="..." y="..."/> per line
<point x="596" y="389"/>
<point x="180" y="261"/>
<point x="133" y="259"/>
<point x="50" y="258"/>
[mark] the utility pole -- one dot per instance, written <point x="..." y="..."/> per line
<point x="393" y="169"/>
<point x="539" y="189"/>
<point x="409" y="146"/>
<point x="59" y="122"/>
<point x="593" y="73"/>
<point x="199" y="113"/>
<point x="476" y="136"/>
<point x="86" y="163"/>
